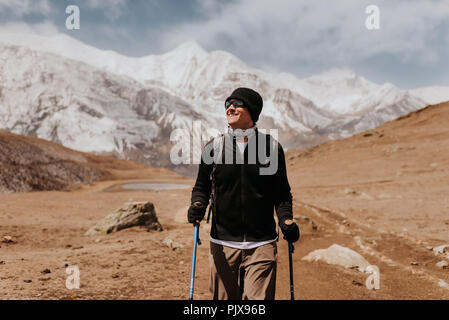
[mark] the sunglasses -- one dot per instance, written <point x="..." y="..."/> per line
<point x="236" y="103"/>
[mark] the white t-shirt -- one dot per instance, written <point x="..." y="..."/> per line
<point x="244" y="244"/>
<point x="241" y="244"/>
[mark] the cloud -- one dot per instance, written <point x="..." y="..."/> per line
<point x="25" y="7"/>
<point x="111" y="8"/>
<point x="44" y="28"/>
<point x="318" y="32"/>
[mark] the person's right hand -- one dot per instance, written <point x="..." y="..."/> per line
<point x="196" y="212"/>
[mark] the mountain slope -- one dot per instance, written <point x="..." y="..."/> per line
<point x="33" y="164"/>
<point x="393" y="177"/>
<point x="27" y="163"/>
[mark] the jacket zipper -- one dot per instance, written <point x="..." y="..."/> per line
<point x="242" y="196"/>
<point x="242" y="201"/>
<point x="242" y="179"/>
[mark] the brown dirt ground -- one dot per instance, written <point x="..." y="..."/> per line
<point x="383" y="194"/>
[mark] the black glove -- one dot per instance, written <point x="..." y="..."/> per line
<point x="290" y="231"/>
<point x="196" y="212"/>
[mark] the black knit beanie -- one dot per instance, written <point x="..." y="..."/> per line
<point x="252" y="100"/>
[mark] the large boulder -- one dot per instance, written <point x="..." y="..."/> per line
<point x="132" y="214"/>
<point x="339" y="255"/>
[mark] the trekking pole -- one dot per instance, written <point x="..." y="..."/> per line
<point x="192" y="273"/>
<point x="291" y="248"/>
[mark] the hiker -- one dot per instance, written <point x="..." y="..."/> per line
<point x="243" y="249"/>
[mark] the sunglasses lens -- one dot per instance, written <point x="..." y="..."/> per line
<point x="236" y="103"/>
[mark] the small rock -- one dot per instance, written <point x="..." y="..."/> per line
<point x="349" y="191"/>
<point x="442" y="264"/>
<point x="440" y="249"/>
<point x="2" y="262"/>
<point x="97" y="240"/>
<point x="115" y="275"/>
<point x="356" y="283"/>
<point x="46" y="271"/>
<point x="7" y="239"/>
<point x="27" y="281"/>
<point x="68" y="246"/>
<point x="171" y="244"/>
<point x="168" y="242"/>
<point x="44" y="279"/>
<point x="443" y="284"/>
<point x="414" y="263"/>
<point x="314" y="226"/>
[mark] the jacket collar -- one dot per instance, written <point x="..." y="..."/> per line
<point x="241" y="133"/>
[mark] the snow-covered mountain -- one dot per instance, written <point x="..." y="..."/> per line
<point x="432" y="95"/>
<point x="63" y="90"/>
<point x="87" y="109"/>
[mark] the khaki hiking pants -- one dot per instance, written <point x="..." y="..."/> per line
<point x="248" y="274"/>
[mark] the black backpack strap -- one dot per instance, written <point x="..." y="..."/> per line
<point x="212" y="194"/>
<point x="213" y="191"/>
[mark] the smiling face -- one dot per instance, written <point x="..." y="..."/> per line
<point x="238" y="118"/>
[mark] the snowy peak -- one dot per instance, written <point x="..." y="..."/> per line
<point x="334" y="74"/>
<point x="432" y="95"/>
<point x="188" y="49"/>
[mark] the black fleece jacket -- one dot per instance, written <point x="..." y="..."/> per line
<point x="244" y="199"/>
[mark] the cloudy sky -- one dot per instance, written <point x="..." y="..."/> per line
<point x="411" y="48"/>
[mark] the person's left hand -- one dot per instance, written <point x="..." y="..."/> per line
<point x="290" y="230"/>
